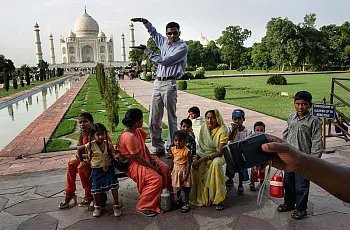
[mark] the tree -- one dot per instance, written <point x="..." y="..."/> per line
<point x="6" y="79"/>
<point x="211" y="56"/>
<point x="26" y="73"/>
<point x="137" y="56"/>
<point x="261" y="57"/>
<point x="279" y="34"/>
<point x="111" y="100"/>
<point x="194" y="53"/>
<point x="231" y="42"/>
<point x="14" y="83"/>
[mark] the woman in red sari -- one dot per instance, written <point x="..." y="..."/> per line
<point x="150" y="173"/>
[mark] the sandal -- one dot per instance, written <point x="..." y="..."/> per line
<point x="85" y="202"/>
<point x="284" y="208"/>
<point x="240" y="190"/>
<point x="147" y="213"/>
<point x="252" y="187"/>
<point x="299" y="214"/>
<point x="220" y="207"/>
<point x="185" y="208"/>
<point x="117" y="210"/>
<point x="68" y="198"/>
<point x="97" y="211"/>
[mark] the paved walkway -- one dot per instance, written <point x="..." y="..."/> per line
<point x="30" y="200"/>
<point x="31" y="139"/>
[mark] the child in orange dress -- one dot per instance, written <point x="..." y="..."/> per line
<point x="180" y="168"/>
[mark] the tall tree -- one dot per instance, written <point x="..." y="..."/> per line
<point x="261" y="57"/>
<point x="194" y="53"/>
<point x="211" y="56"/>
<point x="137" y="56"/>
<point x="231" y="42"/>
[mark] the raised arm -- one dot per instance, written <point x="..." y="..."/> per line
<point x="171" y="58"/>
<point x="157" y="37"/>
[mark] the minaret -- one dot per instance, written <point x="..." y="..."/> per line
<point x="52" y="50"/>
<point x="132" y="35"/>
<point x="39" y="53"/>
<point x="123" y="48"/>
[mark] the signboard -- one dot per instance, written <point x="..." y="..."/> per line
<point x="323" y="110"/>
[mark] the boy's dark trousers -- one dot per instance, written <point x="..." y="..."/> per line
<point x="296" y="191"/>
<point x="232" y="175"/>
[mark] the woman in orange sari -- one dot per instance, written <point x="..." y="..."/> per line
<point x="150" y="173"/>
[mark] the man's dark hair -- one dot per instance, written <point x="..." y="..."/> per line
<point x="172" y="25"/>
<point x="303" y="95"/>
<point x="186" y="121"/>
<point x="259" y="123"/>
<point x="87" y="116"/>
<point x="195" y="110"/>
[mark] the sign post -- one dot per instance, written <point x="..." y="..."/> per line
<point x="326" y="112"/>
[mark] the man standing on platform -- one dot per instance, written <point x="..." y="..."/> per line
<point x="171" y="66"/>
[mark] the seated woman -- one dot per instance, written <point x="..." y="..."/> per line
<point x="207" y="174"/>
<point x="150" y="173"/>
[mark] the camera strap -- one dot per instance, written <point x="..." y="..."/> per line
<point x="263" y="186"/>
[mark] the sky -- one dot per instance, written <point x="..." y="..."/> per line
<point x="209" y="17"/>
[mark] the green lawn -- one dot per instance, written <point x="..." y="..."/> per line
<point x="89" y="100"/>
<point x="228" y="72"/>
<point x="253" y="92"/>
<point x="4" y="93"/>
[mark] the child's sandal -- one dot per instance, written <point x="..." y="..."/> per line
<point x="65" y="204"/>
<point x="185" y="208"/>
<point x="97" y="211"/>
<point x="117" y="210"/>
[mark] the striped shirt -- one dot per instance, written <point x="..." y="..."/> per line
<point x="173" y="58"/>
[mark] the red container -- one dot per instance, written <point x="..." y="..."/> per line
<point x="276" y="185"/>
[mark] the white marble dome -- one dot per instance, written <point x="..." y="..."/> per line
<point x="86" y="26"/>
<point x="101" y="35"/>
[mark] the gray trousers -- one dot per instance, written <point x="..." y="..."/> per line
<point x="164" y="95"/>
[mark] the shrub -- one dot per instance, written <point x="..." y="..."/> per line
<point x="6" y="81"/>
<point x="189" y="68"/>
<point x="200" y="70"/>
<point x="187" y="76"/>
<point x="199" y="76"/>
<point x="220" y="92"/>
<point x="22" y="83"/>
<point x="148" y="77"/>
<point x="277" y="80"/>
<point x="182" y="85"/>
<point x="14" y="83"/>
<point x="222" y="67"/>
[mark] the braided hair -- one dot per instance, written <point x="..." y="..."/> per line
<point x="97" y="127"/>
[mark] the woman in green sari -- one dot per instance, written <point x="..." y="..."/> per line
<point x="207" y="174"/>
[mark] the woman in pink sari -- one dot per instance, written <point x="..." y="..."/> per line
<point x="150" y="173"/>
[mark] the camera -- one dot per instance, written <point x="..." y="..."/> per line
<point x="246" y="153"/>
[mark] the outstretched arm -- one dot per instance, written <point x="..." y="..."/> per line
<point x="329" y="176"/>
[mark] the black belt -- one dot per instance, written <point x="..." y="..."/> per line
<point x="165" y="78"/>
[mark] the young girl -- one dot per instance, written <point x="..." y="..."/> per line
<point x="180" y="168"/>
<point x="101" y="154"/>
<point x="257" y="172"/>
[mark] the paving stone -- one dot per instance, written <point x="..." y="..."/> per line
<point x="221" y="223"/>
<point x="34" y="206"/>
<point x="125" y="222"/>
<point x="13" y="190"/>
<point x="41" y="221"/>
<point x="49" y="190"/>
<point x="177" y="221"/>
<point x="332" y="220"/>
<point x="19" y="197"/>
<point x="328" y="204"/>
<point x="3" y="202"/>
<point x="11" y="222"/>
<point x="251" y="223"/>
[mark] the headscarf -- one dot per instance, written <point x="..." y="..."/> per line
<point x="209" y="140"/>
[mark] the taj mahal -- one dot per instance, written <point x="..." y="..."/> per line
<point x="85" y="46"/>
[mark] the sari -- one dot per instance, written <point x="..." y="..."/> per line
<point x="149" y="182"/>
<point x="208" y="182"/>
